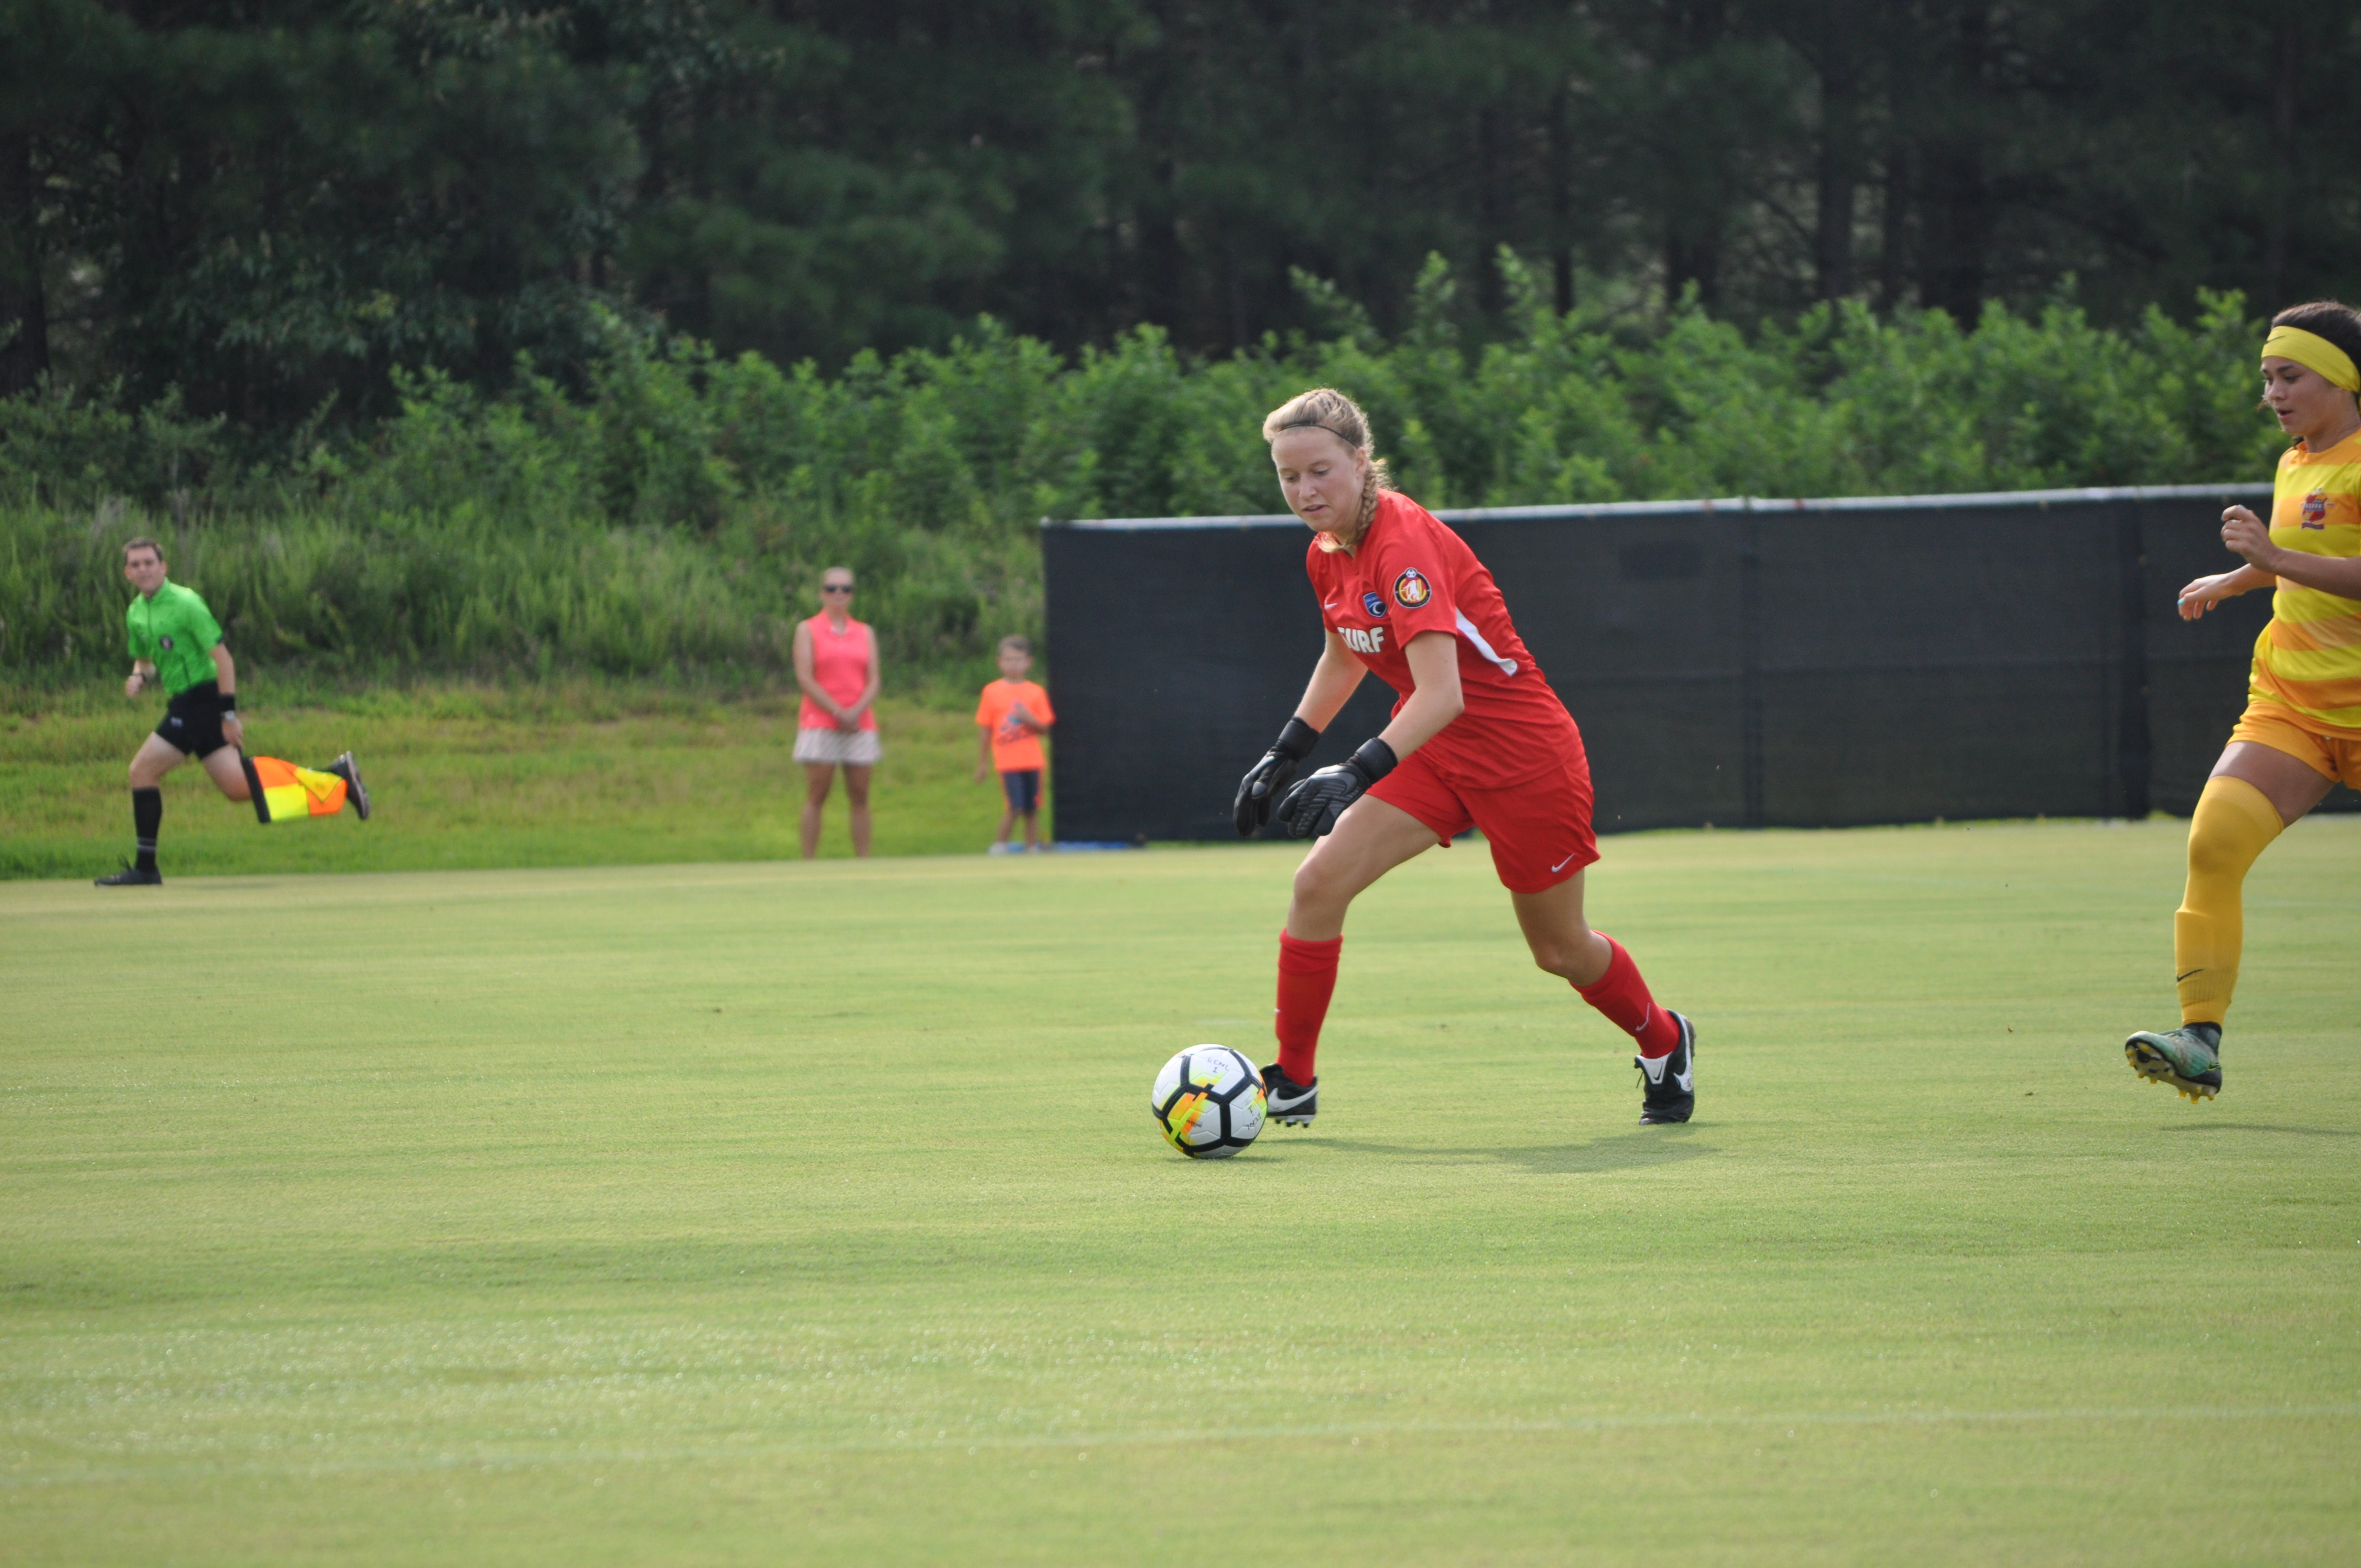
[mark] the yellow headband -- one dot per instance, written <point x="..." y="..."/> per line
<point x="2315" y="352"/>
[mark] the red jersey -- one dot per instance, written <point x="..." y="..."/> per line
<point x="1410" y="574"/>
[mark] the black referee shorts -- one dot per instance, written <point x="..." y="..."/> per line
<point x="191" y="722"/>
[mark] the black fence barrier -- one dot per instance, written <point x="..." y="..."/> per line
<point x="1742" y="663"/>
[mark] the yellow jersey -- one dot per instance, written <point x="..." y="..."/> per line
<point x="2308" y="659"/>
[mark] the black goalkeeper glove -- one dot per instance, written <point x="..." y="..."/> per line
<point x="1267" y="778"/>
<point x="1311" y="807"/>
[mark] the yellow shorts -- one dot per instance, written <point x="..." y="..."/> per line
<point x="2328" y="754"/>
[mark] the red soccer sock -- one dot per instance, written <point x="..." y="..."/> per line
<point x="1623" y="996"/>
<point x="1307" y="978"/>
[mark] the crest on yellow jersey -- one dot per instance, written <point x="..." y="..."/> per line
<point x="2315" y="509"/>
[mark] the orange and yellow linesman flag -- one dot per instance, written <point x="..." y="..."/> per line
<point x="285" y="793"/>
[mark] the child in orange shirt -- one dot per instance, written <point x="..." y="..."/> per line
<point x="1013" y="716"/>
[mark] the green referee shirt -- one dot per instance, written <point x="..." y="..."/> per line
<point x="177" y="633"/>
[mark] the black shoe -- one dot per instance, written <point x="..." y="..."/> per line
<point x="344" y="768"/>
<point x="1668" y="1082"/>
<point x="1289" y="1101"/>
<point x="130" y="876"/>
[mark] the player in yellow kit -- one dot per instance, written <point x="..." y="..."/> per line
<point x="2301" y="730"/>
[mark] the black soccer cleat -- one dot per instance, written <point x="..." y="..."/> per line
<point x="1288" y="1102"/>
<point x="1668" y="1082"/>
<point x="344" y="768"/>
<point x="130" y="876"/>
<point x="2189" y="1058"/>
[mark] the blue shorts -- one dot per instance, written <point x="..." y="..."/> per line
<point x="1023" y="786"/>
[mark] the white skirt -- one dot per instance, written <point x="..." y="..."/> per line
<point x="849" y="748"/>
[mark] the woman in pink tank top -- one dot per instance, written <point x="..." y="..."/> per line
<point x="836" y="665"/>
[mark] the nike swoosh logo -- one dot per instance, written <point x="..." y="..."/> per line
<point x="1561" y="865"/>
<point x="2178" y="977"/>
<point x="1687" y="1080"/>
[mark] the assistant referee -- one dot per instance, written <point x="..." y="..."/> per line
<point x="176" y="642"/>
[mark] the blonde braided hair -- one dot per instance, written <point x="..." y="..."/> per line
<point x="1325" y="408"/>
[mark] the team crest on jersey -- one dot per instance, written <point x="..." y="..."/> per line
<point x="165" y="643"/>
<point x="2315" y="509"/>
<point x="1374" y="603"/>
<point x="1411" y="589"/>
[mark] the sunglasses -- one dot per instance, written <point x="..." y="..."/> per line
<point x="836" y="588"/>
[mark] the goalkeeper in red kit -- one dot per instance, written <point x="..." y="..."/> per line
<point x="1477" y="740"/>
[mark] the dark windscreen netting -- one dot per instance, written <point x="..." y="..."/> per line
<point x="1940" y="662"/>
<point x="1188" y="649"/>
<point x="1809" y="664"/>
<point x="1637" y="619"/>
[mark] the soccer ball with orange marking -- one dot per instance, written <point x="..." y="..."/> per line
<point x="1208" y="1100"/>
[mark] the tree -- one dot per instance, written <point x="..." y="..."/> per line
<point x="274" y="205"/>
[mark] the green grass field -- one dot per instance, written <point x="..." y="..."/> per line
<point x="481" y="777"/>
<point x="812" y="1213"/>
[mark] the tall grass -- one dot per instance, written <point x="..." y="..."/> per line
<point x="669" y="516"/>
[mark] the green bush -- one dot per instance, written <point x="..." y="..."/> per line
<point x="669" y="517"/>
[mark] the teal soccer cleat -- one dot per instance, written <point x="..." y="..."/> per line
<point x="2189" y="1058"/>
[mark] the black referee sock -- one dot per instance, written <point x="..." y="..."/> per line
<point x="147" y="815"/>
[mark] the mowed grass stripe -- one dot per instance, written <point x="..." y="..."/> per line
<point x="1769" y="1421"/>
<point x="813" y="1213"/>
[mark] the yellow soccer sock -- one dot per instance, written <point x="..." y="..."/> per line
<point x="2233" y="823"/>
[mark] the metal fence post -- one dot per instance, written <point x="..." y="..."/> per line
<point x="2135" y="757"/>
<point x="1750" y="661"/>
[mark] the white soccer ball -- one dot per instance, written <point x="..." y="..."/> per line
<point x="1208" y="1100"/>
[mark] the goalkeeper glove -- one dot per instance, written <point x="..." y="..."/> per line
<point x="1267" y="777"/>
<point x="1311" y="807"/>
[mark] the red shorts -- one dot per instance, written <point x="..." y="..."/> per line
<point x="1539" y="830"/>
